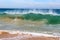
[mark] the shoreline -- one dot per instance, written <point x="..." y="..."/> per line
<point x="19" y="35"/>
<point x="33" y="33"/>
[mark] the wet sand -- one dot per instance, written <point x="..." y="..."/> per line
<point x="23" y="36"/>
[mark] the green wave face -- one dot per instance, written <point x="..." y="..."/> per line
<point x="35" y="17"/>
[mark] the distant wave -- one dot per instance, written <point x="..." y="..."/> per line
<point x="36" y="11"/>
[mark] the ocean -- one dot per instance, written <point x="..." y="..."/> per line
<point x="31" y="26"/>
<point x="18" y="11"/>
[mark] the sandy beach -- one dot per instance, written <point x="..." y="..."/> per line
<point x="16" y="35"/>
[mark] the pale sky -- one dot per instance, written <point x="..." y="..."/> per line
<point x="29" y="3"/>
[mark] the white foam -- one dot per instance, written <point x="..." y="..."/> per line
<point x="39" y="34"/>
<point x="32" y="11"/>
<point x="34" y="34"/>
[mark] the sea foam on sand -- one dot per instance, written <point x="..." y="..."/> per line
<point x="34" y="34"/>
<point x="19" y="35"/>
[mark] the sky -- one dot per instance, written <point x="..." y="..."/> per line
<point x="29" y="3"/>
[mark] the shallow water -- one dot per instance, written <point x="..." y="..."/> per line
<point x="42" y="28"/>
<point x="50" y="29"/>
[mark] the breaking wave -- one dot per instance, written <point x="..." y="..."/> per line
<point x="36" y="11"/>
